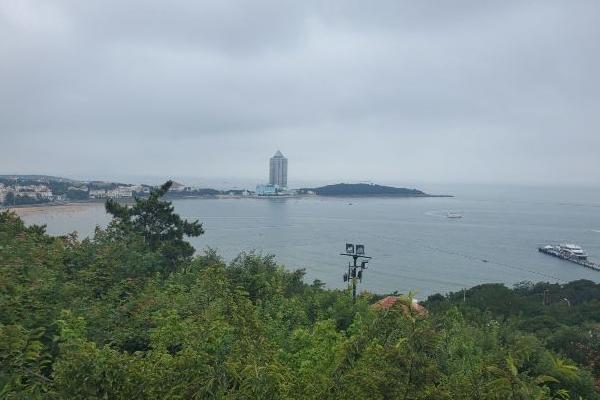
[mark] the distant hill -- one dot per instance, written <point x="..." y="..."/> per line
<point x="365" y="189"/>
<point x="54" y="180"/>
<point x="38" y="178"/>
<point x="94" y="185"/>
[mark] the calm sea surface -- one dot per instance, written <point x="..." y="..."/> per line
<point x="413" y="245"/>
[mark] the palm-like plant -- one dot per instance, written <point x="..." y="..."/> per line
<point x="510" y="384"/>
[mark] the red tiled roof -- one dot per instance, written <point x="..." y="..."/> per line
<point x="388" y="302"/>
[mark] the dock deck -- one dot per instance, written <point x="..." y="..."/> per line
<point x="555" y="253"/>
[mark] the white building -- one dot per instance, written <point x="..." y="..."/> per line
<point x="177" y="187"/>
<point x="137" y="188"/>
<point x="34" y="191"/>
<point x="3" y="192"/>
<point x="266" y="190"/>
<point x="278" y="170"/>
<point x="125" y="191"/>
<point x="97" y="193"/>
<point x="116" y="193"/>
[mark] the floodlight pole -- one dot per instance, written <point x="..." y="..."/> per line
<point x="354" y="280"/>
<point x="352" y="269"/>
<point x="15" y="191"/>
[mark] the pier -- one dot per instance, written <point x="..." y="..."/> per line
<point x="555" y="251"/>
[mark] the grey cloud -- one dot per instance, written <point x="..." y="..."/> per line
<point x="467" y="91"/>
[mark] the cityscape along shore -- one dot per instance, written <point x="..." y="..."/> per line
<point x="45" y="190"/>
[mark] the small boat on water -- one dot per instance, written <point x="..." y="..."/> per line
<point x="453" y="215"/>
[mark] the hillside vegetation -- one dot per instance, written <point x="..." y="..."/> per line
<point x="131" y="313"/>
<point x="365" y="189"/>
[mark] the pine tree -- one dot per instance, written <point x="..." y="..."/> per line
<point x="162" y="229"/>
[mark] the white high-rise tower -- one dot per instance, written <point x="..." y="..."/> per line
<point x="278" y="170"/>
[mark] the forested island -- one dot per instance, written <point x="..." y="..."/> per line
<point x="366" y="189"/>
<point x="133" y="313"/>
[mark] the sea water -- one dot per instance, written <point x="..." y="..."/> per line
<point x="414" y="246"/>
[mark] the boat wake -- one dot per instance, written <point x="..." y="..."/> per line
<point x="443" y="214"/>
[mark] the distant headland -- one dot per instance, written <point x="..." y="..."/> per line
<point x="366" y="190"/>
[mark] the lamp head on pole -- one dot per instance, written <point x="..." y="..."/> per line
<point x="349" y="248"/>
<point x="360" y="249"/>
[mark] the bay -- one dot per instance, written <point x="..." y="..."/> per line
<point x="414" y="246"/>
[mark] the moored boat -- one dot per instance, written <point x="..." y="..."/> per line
<point x="570" y="252"/>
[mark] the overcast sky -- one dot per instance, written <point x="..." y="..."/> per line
<point x="420" y="91"/>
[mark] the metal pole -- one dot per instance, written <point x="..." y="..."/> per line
<point x="353" y="274"/>
<point x="354" y="281"/>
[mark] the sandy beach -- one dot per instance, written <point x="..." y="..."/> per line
<point x="54" y="208"/>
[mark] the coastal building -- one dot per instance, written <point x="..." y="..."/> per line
<point x="33" y="191"/>
<point x="139" y="189"/>
<point x="266" y="190"/>
<point x="97" y="193"/>
<point x="44" y="194"/>
<point x="278" y="170"/>
<point x="116" y="193"/>
<point x="125" y="191"/>
<point x="178" y="187"/>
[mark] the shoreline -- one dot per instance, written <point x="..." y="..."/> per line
<point x="73" y="205"/>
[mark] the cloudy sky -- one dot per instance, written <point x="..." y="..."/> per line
<point x="420" y="91"/>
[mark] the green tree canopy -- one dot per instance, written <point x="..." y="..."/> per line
<point x="155" y="219"/>
<point x="99" y="319"/>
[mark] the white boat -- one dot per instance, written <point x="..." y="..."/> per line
<point x="453" y="215"/>
<point x="572" y="250"/>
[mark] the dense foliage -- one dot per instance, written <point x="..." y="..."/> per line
<point x="12" y="200"/>
<point x="112" y="317"/>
